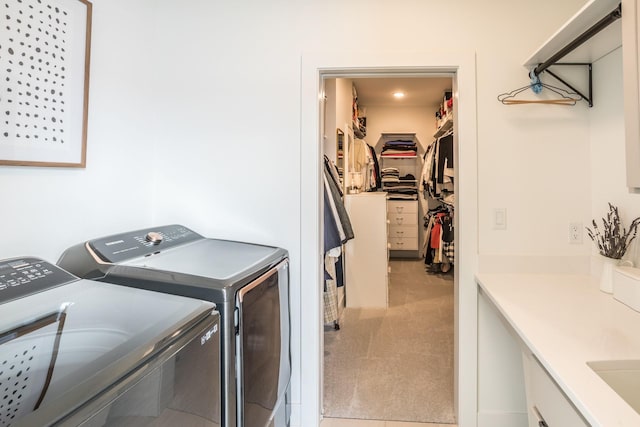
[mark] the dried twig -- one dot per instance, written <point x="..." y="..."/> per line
<point x="614" y="240"/>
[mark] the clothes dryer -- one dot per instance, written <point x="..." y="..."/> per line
<point x="78" y="352"/>
<point x="249" y="284"/>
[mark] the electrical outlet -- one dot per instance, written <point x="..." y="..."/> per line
<point x="575" y="233"/>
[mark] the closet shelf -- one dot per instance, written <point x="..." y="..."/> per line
<point x="397" y="157"/>
<point x="595" y="48"/>
<point x="390" y="136"/>
<point x="590" y="34"/>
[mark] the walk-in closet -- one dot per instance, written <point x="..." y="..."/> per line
<point x="389" y="210"/>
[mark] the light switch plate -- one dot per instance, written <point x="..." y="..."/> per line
<point x="499" y="218"/>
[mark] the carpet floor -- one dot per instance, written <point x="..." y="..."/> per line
<point x="395" y="364"/>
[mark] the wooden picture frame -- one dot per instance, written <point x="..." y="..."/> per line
<point x="45" y="48"/>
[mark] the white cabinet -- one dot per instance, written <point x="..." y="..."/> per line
<point x="631" y="76"/>
<point x="366" y="255"/>
<point x="547" y="404"/>
<point x="403" y="225"/>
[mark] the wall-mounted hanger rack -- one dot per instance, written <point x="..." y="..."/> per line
<point x="553" y="60"/>
<point x="564" y="97"/>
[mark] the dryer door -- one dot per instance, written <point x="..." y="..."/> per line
<point x="263" y="362"/>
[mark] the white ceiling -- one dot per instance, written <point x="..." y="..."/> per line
<point x="419" y="91"/>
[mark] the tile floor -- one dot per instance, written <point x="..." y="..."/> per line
<point x="353" y="422"/>
<point x="342" y="422"/>
<point x="396" y="363"/>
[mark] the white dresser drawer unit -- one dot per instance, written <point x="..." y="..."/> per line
<point x="403" y="219"/>
<point x="403" y="225"/>
<point x="403" y="244"/>
<point x="402" y="207"/>
<point x="403" y="231"/>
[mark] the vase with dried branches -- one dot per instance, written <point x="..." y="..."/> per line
<point x="612" y="243"/>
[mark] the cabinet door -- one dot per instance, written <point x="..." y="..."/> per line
<point x="631" y="75"/>
<point x="366" y="254"/>
<point x="545" y="399"/>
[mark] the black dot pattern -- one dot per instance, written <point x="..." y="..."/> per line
<point x="14" y="384"/>
<point x="33" y="52"/>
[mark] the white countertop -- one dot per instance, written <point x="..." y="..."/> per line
<point x="567" y="321"/>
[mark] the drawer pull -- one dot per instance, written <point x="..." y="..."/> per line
<point x="541" y="421"/>
<point x="399" y="209"/>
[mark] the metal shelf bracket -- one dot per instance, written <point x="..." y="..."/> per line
<point x="553" y="60"/>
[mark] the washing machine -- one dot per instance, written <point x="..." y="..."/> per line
<point x="79" y="352"/>
<point x="249" y="284"/>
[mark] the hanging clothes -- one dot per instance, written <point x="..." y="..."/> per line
<point x="439" y="248"/>
<point x="377" y="178"/>
<point x="438" y="168"/>
<point x="362" y="166"/>
<point x="337" y="231"/>
<point x="338" y="210"/>
<point x="331" y="287"/>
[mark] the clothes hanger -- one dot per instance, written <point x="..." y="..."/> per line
<point x="565" y="97"/>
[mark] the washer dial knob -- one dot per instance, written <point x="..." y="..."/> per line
<point x="154" y="237"/>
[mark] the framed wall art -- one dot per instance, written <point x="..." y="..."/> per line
<point x="45" y="48"/>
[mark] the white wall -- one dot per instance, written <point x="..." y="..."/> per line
<point x="533" y="161"/>
<point x="195" y="118"/>
<point x="45" y="210"/>
<point x="329" y="126"/>
<point x="344" y="102"/>
<point x="337" y="112"/>
<point x="608" y="179"/>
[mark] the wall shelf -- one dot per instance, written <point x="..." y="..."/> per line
<point x="398" y="157"/>
<point x="590" y="34"/>
<point x="595" y="48"/>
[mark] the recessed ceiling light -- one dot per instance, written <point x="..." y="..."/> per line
<point x="398" y="94"/>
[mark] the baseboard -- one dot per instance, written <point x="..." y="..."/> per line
<point x="535" y="264"/>
<point x="502" y="419"/>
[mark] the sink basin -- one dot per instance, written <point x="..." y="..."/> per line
<point x="623" y="376"/>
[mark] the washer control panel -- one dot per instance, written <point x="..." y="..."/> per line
<point x="139" y="243"/>
<point x="22" y="276"/>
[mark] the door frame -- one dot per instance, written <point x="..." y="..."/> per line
<point x="314" y="68"/>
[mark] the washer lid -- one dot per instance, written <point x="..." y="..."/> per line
<point x="225" y="262"/>
<point x="63" y="346"/>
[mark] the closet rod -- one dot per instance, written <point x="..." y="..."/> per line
<point x="595" y="29"/>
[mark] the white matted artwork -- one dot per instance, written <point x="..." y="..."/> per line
<point x="44" y="83"/>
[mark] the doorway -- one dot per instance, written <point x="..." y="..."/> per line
<point x="393" y="363"/>
<point x="315" y="67"/>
